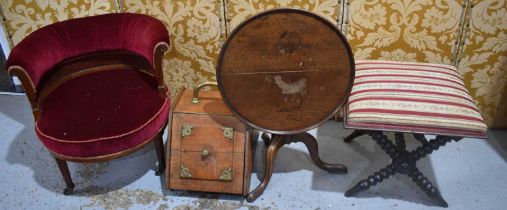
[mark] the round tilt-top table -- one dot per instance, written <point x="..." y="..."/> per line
<point x="284" y="72"/>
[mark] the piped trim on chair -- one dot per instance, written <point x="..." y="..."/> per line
<point x="109" y="156"/>
<point x="104" y="138"/>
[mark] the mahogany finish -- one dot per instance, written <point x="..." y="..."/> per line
<point x="278" y="141"/>
<point x="198" y="159"/>
<point x="284" y="72"/>
<point x="294" y="63"/>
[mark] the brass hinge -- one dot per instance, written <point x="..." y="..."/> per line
<point x="228" y="132"/>
<point x="185" y="172"/>
<point x="186" y="130"/>
<point x="226" y="175"/>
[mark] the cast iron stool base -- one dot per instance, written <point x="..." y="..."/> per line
<point x="403" y="162"/>
<point x="274" y="143"/>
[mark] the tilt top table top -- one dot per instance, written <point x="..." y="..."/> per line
<point x="285" y="71"/>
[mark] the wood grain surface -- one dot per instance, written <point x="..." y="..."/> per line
<point x="285" y="71"/>
<point x="208" y="118"/>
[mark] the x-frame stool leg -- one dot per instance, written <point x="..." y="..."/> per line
<point x="403" y="162"/>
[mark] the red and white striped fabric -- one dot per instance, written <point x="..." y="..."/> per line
<point x="412" y="97"/>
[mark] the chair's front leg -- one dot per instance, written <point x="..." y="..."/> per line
<point x="159" y="148"/>
<point x="64" y="170"/>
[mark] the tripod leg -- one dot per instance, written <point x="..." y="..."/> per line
<point x="313" y="149"/>
<point x="266" y="139"/>
<point x="276" y="143"/>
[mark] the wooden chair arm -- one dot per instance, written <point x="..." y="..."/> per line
<point x="29" y="87"/>
<point x="158" y="57"/>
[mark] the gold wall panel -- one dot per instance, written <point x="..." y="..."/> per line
<point x="239" y="10"/>
<point x="483" y="62"/>
<point x="197" y="33"/>
<point x="25" y="16"/>
<point x="409" y="30"/>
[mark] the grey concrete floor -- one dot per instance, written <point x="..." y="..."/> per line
<point x="471" y="174"/>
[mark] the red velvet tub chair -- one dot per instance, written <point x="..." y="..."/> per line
<point x="95" y="87"/>
<point x="409" y="97"/>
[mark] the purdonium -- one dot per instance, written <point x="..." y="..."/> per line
<point x="209" y="149"/>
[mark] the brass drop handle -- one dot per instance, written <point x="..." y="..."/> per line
<point x="195" y="95"/>
<point x="204" y="154"/>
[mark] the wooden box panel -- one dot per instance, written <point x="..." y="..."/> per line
<point x="209" y="168"/>
<point x="205" y="128"/>
<point x="206" y="133"/>
<point x="207" y="120"/>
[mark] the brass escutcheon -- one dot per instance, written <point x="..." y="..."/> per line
<point x="204" y="154"/>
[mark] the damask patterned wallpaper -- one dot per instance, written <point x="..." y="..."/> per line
<point x="25" y="16"/>
<point x="483" y="61"/>
<point x="468" y="33"/>
<point x="197" y="32"/>
<point x="421" y="30"/>
<point x="239" y="10"/>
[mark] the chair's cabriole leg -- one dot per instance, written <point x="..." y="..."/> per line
<point x="159" y="147"/>
<point x="64" y="170"/>
<point x="372" y="180"/>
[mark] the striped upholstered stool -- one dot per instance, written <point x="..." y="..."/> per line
<point x="417" y="98"/>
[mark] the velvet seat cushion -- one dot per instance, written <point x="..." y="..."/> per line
<point x="102" y="113"/>
<point x="412" y="97"/>
<point x="48" y="46"/>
